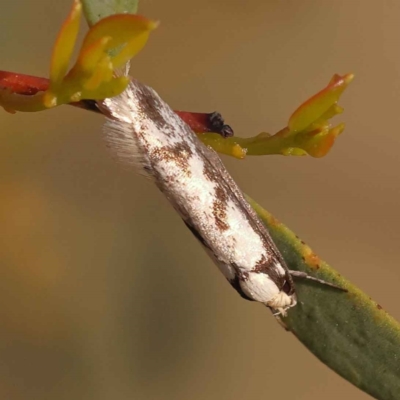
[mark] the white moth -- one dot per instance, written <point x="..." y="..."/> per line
<point x="145" y="134"/>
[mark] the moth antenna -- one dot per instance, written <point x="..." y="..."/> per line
<point x="304" y="275"/>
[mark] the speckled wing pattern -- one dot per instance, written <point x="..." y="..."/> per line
<point x="145" y="134"/>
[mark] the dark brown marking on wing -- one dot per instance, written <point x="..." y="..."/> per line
<point x="261" y="266"/>
<point x="151" y="106"/>
<point x="221" y="195"/>
<point x="179" y="153"/>
<point x="209" y="173"/>
<point x="219" y="209"/>
<point x="268" y="268"/>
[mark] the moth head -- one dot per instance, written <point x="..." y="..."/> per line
<point x="282" y="302"/>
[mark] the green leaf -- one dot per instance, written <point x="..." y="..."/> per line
<point x="320" y="104"/>
<point x="95" y="10"/>
<point x="348" y="332"/>
<point x="108" y="44"/>
<point x="309" y="129"/>
<point x="65" y="43"/>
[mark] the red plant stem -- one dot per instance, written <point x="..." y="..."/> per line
<point x="29" y="85"/>
<point x="23" y="84"/>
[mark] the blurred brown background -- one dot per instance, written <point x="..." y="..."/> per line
<point x="104" y="294"/>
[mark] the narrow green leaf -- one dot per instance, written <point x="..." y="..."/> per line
<point x="348" y="332"/>
<point x="65" y="44"/>
<point x="309" y="130"/>
<point x="95" y="10"/>
<point x="320" y="103"/>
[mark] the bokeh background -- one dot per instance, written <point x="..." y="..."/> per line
<point x="104" y="294"/>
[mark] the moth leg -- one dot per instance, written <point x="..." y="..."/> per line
<point x="277" y="313"/>
<point x="304" y="275"/>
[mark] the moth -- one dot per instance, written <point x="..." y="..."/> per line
<point x="146" y="135"/>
